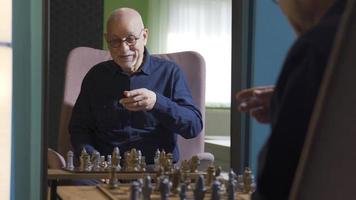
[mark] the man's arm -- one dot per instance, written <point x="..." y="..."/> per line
<point x="81" y="123"/>
<point x="178" y="113"/>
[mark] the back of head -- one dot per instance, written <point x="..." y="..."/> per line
<point x="304" y="14"/>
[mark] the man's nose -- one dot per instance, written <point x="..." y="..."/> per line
<point x="123" y="46"/>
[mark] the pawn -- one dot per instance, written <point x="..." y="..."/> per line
<point x="182" y="192"/>
<point x="96" y="160"/>
<point x="103" y="163"/>
<point x="108" y="161"/>
<point x="199" y="191"/>
<point x="135" y="191"/>
<point x="69" y="164"/>
<point x="147" y="188"/>
<point x="164" y="188"/>
<point x="232" y="175"/>
<point x="253" y="184"/>
<point x="215" y="191"/>
<point x="231" y="187"/>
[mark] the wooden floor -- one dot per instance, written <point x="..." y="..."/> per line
<point x="5" y="121"/>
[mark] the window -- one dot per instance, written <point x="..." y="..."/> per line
<point x="200" y="25"/>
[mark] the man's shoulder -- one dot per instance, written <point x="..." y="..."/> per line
<point x="105" y="66"/>
<point x="158" y="63"/>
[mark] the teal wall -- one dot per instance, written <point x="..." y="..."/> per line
<point x="110" y="5"/>
<point x="27" y="100"/>
<point x="273" y="37"/>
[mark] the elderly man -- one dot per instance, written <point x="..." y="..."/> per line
<point x="135" y="100"/>
<point x="289" y="105"/>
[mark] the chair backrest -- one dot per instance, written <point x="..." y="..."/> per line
<point x="81" y="59"/>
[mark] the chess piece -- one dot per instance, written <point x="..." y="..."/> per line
<point x="194" y="164"/>
<point x="164" y="188"/>
<point x="253" y="184"/>
<point x="116" y="159"/>
<point x="176" y="178"/>
<point x="96" y="160"/>
<point x="162" y="159"/>
<point x="87" y="163"/>
<point x="135" y="191"/>
<point x="82" y="158"/>
<point x="199" y="191"/>
<point x="113" y="182"/>
<point x="240" y="183"/>
<point x="215" y="194"/>
<point x="108" y="161"/>
<point x="231" y="187"/>
<point x="232" y="175"/>
<point x="135" y="158"/>
<point x="247" y="179"/>
<point x="218" y="171"/>
<point x="69" y="164"/>
<point x="169" y="163"/>
<point x="147" y="188"/>
<point x="143" y="163"/>
<point x="182" y="192"/>
<point x="185" y="166"/>
<point x="103" y="164"/>
<point x="210" y="175"/>
<point x="159" y="177"/>
<point x="156" y="160"/>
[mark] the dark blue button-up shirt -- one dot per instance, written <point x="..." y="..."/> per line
<point x="100" y="122"/>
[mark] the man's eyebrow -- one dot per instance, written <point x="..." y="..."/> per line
<point x="116" y="36"/>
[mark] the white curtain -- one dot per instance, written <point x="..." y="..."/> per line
<point x="198" y="25"/>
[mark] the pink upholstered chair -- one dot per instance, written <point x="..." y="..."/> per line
<point x="81" y="59"/>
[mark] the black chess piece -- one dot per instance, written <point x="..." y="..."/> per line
<point x="135" y="191"/>
<point x="215" y="193"/>
<point x="147" y="188"/>
<point x="199" y="191"/>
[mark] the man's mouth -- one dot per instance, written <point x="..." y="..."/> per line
<point x="126" y="57"/>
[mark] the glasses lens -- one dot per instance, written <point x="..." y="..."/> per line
<point x="131" y="40"/>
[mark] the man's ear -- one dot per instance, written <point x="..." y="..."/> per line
<point x="145" y="35"/>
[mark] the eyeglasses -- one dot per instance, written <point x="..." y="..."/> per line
<point x="130" y="40"/>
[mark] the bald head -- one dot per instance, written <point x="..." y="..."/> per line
<point x="304" y="14"/>
<point x="124" y="16"/>
<point x="126" y="38"/>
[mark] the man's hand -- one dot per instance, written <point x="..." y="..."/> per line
<point x="138" y="100"/>
<point x="257" y="102"/>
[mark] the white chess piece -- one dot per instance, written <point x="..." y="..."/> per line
<point x="69" y="164"/>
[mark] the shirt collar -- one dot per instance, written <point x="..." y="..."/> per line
<point x="146" y="63"/>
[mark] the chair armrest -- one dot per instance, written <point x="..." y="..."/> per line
<point x="206" y="159"/>
<point x="55" y="160"/>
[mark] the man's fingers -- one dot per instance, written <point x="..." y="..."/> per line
<point x="132" y="93"/>
<point x="249" y="104"/>
<point x="127" y="101"/>
<point x="243" y="95"/>
<point x="261" y="115"/>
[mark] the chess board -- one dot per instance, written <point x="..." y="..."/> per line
<point x="123" y="192"/>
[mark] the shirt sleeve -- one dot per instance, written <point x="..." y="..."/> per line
<point x="82" y="121"/>
<point x="179" y="113"/>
